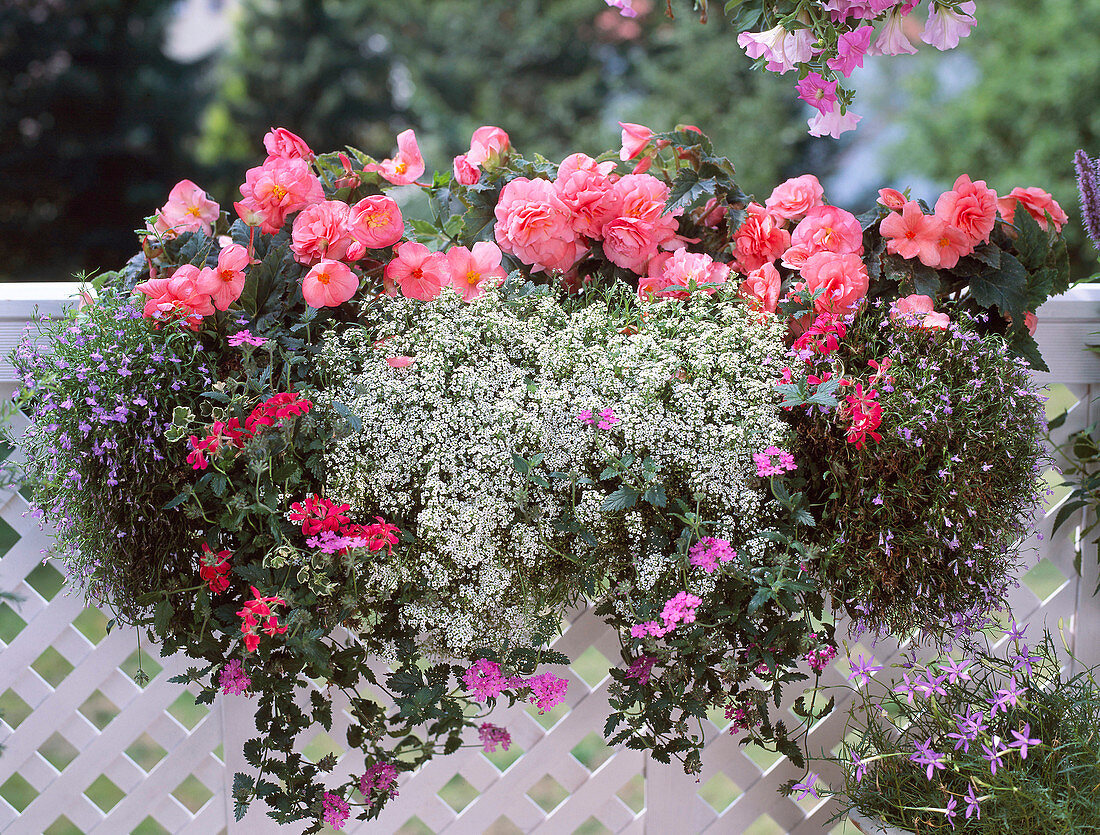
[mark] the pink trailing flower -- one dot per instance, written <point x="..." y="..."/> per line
<point x="674" y="274"/>
<point x="225" y="283"/>
<point x="329" y="284"/>
<point x="322" y="231"/>
<point x="913" y="234"/>
<point x="488" y="145"/>
<point x="465" y="173"/>
<point x="473" y="271"/>
<point x="828" y="229"/>
<point x="892" y="39"/>
<point x="547" y="691"/>
<point x="971" y="207"/>
<point x="794" y="198"/>
<point x="407" y="164"/>
<point x="419" y="272"/>
<point x="947" y="26"/>
<point x="635" y="138"/>
<point x="843" y="277"/>
<point x="534" y="225"/>
<point x="378" y="780"/>
<point x="179" y="296"/>
<point x="782" y="50"/>
<point x="1038" y="204"/>
<point x="232" y="679"/>
<point x="761" y="288"/>
<point x="850" y="49"/>
<point x="834" y="123"/>
<point x="376" y="223"/>
<point x="278" y="188"/>
<point x="760" y="239"/>
<point x="189" y="209"/>
<point x="282" y="144"/>
<point x="484" y="680"/>
<point x="493" y="735"/>
<point x="334" y="810"/>
<point x="817" y="92"/>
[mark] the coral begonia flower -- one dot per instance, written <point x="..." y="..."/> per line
<point x="406" y="166"/>
<point x="277" y="188"/>
<point x="488" y="144"/>
<point x="279" y="142"/>
<point x="225" y="283"/>
<point x="913" y="234"/>
<point x="419" y="272"/>
<point x="473" y="271"/>
<point x="177" y="296"/>
<point x="465" y="173"/>
<point x="376" y="222"/>
<point x="953" y="244"/>
<point x="189" y="209"/>
<point x="329" y="284"/>
<point x="635" y="138"/>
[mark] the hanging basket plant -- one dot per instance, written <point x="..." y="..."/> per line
<point x="318" y="439"/>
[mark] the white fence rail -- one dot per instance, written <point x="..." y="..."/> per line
<point x="90" y="751"/>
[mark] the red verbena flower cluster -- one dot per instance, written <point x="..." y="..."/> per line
<point x="275" y="408"/>
<point x="260" y="615"/>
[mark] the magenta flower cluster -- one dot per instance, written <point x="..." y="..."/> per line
<point x="773" y="461"/>
<point x="380" y="778"/>
<point x="604" y="419"/>
<point x="708" y="553"/>
<point x="678" y="610"/>
<point x="335" y="810"/>
<point x="233" y="679"/>
<point x="484" y="680"/>
<point x="492" y="736"/>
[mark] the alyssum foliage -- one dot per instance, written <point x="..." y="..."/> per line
<point x="330" y="440"/>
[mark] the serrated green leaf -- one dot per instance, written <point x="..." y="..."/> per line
<point x="1004" y="288"/>
<point x="622" y="499"/>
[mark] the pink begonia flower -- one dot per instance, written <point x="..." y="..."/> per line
<point x="329" y="284"/>
<point x="971" y="207"/>
<point x="671" y="275"/>
<point x="892" y="39"/>
<point x="400" y="362"/>
<point x="178" y="295"/>
<point x="891" y="198"/>
<point x="322" y="230"/>
<point x="277" y="188"/>
<point x="465" y="173"/>
<point x="918" y="310"/>
<point x="913" y="234"/>
<point x="630" y="243"/>
<point x="842" y="276"/>
<point x="850" y="49"/>
<point x="796" y="256"/>
<point x="760" y="239"/>
<point x="474" y="271"/>
<point x="635" y="138"/>
<point x="407" y="164"/>
<point x="947" y="26"/>
<point x="376" y="222"/>
<point x="642" y="197"/>
<point x="534" y="225"/>
<point x="817" y="92"/>
<point x="713" y="213"/>
<point x="225" y="283"/>
<point x="1038" y="204"/>
<point x="953" y="244"/>
<point x="832" y="124"/>
<point x="282" y="144"/>
<point x="189" y="209"/>
<point x="761" y="288"/>
<point x="488" y="145"/>
<point x="781" y="49"/>
<point x="251" y="214"/>
<point x="419" y="272"/>
<point x="794" y="198"/>
<point x="828" y="229"/>
<point x="586" y="191"/>
<point x="625" y="8"/>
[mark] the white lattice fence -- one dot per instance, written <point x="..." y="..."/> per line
<point x="88" y="750"/>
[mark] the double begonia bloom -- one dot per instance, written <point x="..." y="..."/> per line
<point x="376" y="222"/>
<point x="630" y="243"/>
<point x="465" y="173"/>
<point x="917" y="309"/>
<point x="225" y="283"/>
<point x="179" y="295"/>
<point x="760" y="239"/>
<point x="947" y="26"/>
<point x="796" y="197"/>
<point x="277" y="188"/>
<point x="417" y="271"/>
<point x="891" y="198"/>
<point x="472" y="271"/>
<point x="586" y="191"/>
<point x="407" y="164"/>
<point x="761" y="288"/>
<point x="535" y="225"/>
<point x="282" y="144"/>
<point x="828" y="229"/>
<point x="189" y="209"/>
<point x="323" y="230"/>
<point x="329" y="284"/>
<point x="642" y="197"/>
<point x="488" y="145"/>
<point x="634" y="139"/>
<point x="675" y="274"/>
<point x="971" y="207"/>
<point x="1038" y="204"/>
<point x="842" y="276"/>
<point x="913" y="234"/>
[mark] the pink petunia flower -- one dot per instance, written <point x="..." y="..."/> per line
<point x="947" y="26"/>
<point x="817" y="92"/>
<point x="407" y="164"/>
<point x="850" y="48"/>
<point x="833" y="123"/>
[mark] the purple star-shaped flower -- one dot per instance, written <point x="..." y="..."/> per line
<point x="1024" y="660"/>
<point x="1016" y="633"/>
<point x="972" y="807"/>
<point x="993" y="756"/>
<point x="927" y="757"/>
<point x="1022" y="742"/>
<point x="808" y="786"/>
<point x="906" y="687"/>
<point x="950" y="812"/>
<point x="862" y="670"/>
<point x="956" y="670"/>
<point x="1007" y="697"/>
<point x="860" y="766"/>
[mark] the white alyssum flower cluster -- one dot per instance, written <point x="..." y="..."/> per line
<point x="432" y="447"/>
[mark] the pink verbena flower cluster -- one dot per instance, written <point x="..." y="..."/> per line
<point x="743" y="717"/>
<point x="334" y="810"/>
<point x="708" y="553"/>
<point x="232" y="679"/>
<point x="677" y="610"/>
<point x="641" y="669"/>
<point x="492" y="736"/>
<point x="378" y="782"/>
<point x="773" y="461"/>
<point x="484" y="680"/>
<point x="604" y="419"/>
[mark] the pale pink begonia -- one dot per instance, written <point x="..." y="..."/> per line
<point x="177" y="296"/>
<point x="487" y="145"/>
<point x="1038" y="204"/>
<point x="417" y="271"/>
<point x="634" y="139"/>
<point x="674" y="274"/>
<point x="465" y="173"/>
<point x="970" y="207"/>
<point x="843" y="278"/>
<point x="277" y="188"/>
<point x="534" y="225"/>
<point x="329" y="284"/>
<point x="760" y="239"/>
<point x="761" y="288"/>
<point x="913" y="234"/>
<point x="225" y="283"/>
<point x="405" y="167"/>
<point x="473" y="271"/>
<point x="828" y="229"/>
<point x="189" y="209"/>
<point x="586" y="190"/>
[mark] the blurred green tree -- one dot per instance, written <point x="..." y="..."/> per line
<point x="1034" y="100"/>
<point x="94" y="121"/>
<point x="556" y="74"/>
